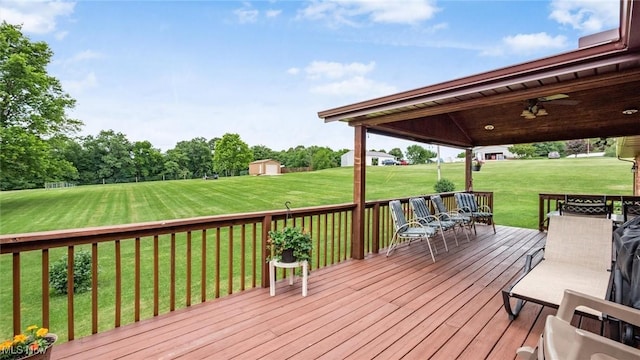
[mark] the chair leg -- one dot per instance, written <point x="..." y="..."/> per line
<point x="390" y="247"/>
<point x="513" y="313"/>
<point x="494" y="225"/>
<point x="431" y="250"/>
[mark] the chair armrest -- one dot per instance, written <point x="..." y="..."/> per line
<point x="532" y="259"/>
<point x="572" y="299"/>
<point x="484" y="208"/>
<point x="429" y="219"/>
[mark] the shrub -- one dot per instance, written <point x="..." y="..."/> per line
<point x="444" y="185"/>
<point x="81" y="273"/>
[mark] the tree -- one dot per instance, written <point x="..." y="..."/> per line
<point x="147" y="160"/>
<point x="199" y="159"/>
<point x="417" y="154"/>
<point x="397" y="153"/>
<point x="111" y="157"/>
<point x="523" y="150"/>
<point x="322" y="159"/>
<point x="576" y="147"/>
<point x="544" y="148"/>
<point x="261" y="152"/>
<point x="32" y="110"/>
<point x="232" y="154"/>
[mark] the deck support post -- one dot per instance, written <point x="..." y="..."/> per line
<point x="359" y="180"/>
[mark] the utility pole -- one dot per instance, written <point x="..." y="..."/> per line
<point x="438" y="160"/>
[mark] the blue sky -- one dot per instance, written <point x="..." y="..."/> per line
<point x="167" y="71"/>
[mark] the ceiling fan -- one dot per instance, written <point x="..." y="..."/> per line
<point x="534" y="107"/>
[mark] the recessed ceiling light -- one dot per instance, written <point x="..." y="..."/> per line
<point x="489" y="127"/>
<point x="629" y="111"/>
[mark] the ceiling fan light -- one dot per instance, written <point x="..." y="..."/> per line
<point x="542" y="112"/>
<point x="526" y="113"/>
<point x="530" y="116"/>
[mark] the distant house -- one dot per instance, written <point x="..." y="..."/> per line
<point x="495" y="152"/>
<point x="372" y="158"/>
<point x="264" y="167"/>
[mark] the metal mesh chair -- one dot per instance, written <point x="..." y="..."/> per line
<point x="443" y="213"/>
<point x="468" y="206"/>
<point x="423" y="216"/>
<point x="405" y="230"/>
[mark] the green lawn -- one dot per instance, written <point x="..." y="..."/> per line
<point x="515" y="184"/>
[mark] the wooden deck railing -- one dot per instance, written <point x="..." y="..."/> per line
<point x="550" y="202"/>
<point x="145" y="269"/>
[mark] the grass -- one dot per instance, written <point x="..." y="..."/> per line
<point x="515" y="184"/>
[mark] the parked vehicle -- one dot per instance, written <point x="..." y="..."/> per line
<point x="389" y="162"/>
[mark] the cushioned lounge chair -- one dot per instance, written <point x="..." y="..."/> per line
<point x="405" y="230"/>
<point x="577" y="255"/>
<point x="561" y="341"/>
<point x="467" y="205"/>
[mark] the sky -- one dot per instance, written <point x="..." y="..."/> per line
<point x="171" y="71"/>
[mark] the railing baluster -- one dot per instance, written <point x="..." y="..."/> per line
<point x="94" y="288"/>
<point x="230" y="262"/>
<point x="45" y="288"/>
<point x="118" y="303"/>
<point x="243" y="256"/>
<point x="188" y="280"/>
<point x="203" y="269"/>
<point x="17" y="328"/>
<point x="172" y="294"/>
<point x="70" y="282"/>
<point x="156" y="277"/>
<point x="136" y="314"/>
<point x="326" y="228"/>
<point x="216" y="275"/>
<point x="253" y="255"/>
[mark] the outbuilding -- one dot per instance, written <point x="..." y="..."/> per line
<point x="372" y="158"/>
<point x="264" y="167"/>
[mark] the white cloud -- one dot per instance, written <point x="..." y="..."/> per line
<point x="348" y="12"/>
<point x="75" y="87"/>
<point x="273" y="13"/>
<point x="334" y="70"/>
<point x="83" y="56"/>
<point x="293" y="71"/>
<point x="357" y="87"/>
<point x="532" y="43"/>
<point x="246" y="14"/>
<point x="38" y="17"/>
<point x="588" y="16"/>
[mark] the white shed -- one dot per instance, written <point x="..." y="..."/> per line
<point x="372" y="158"/>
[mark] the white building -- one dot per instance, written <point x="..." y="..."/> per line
<point x="372" y="158"/>
<point x="495" y="152"/>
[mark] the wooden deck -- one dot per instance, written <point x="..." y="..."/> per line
<point x="404" y="306"/>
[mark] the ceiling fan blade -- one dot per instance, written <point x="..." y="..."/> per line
<point x="553" y="97"/>
<point x="564" y="102"/>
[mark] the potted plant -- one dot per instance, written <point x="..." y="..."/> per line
<point x="477" y="165"/>
<point x="290" y="244"/>
<point x="34" y="344"/>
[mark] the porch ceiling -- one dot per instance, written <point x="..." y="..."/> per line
<point x="601" y="81"/>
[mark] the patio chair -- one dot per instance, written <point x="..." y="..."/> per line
<point x="423" y="216"/>
<point x="405" y="230"/>
<point x="468" y="206"/>
<point x="585" y="209"/>
<point x="630" y="211"/>
<point x="560" y="340"/>
<point x="577" y="255"/>
<point x="443" y="213"/>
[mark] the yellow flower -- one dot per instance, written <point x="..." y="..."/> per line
<point x="32" y="327"/>
<point x="5" y="345"/>
<point x="42" y="332"/>
<point x="19" y="338"/>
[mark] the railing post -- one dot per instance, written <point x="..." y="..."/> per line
<point x="375" y="229"/>
<point x="266" y="227"/>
